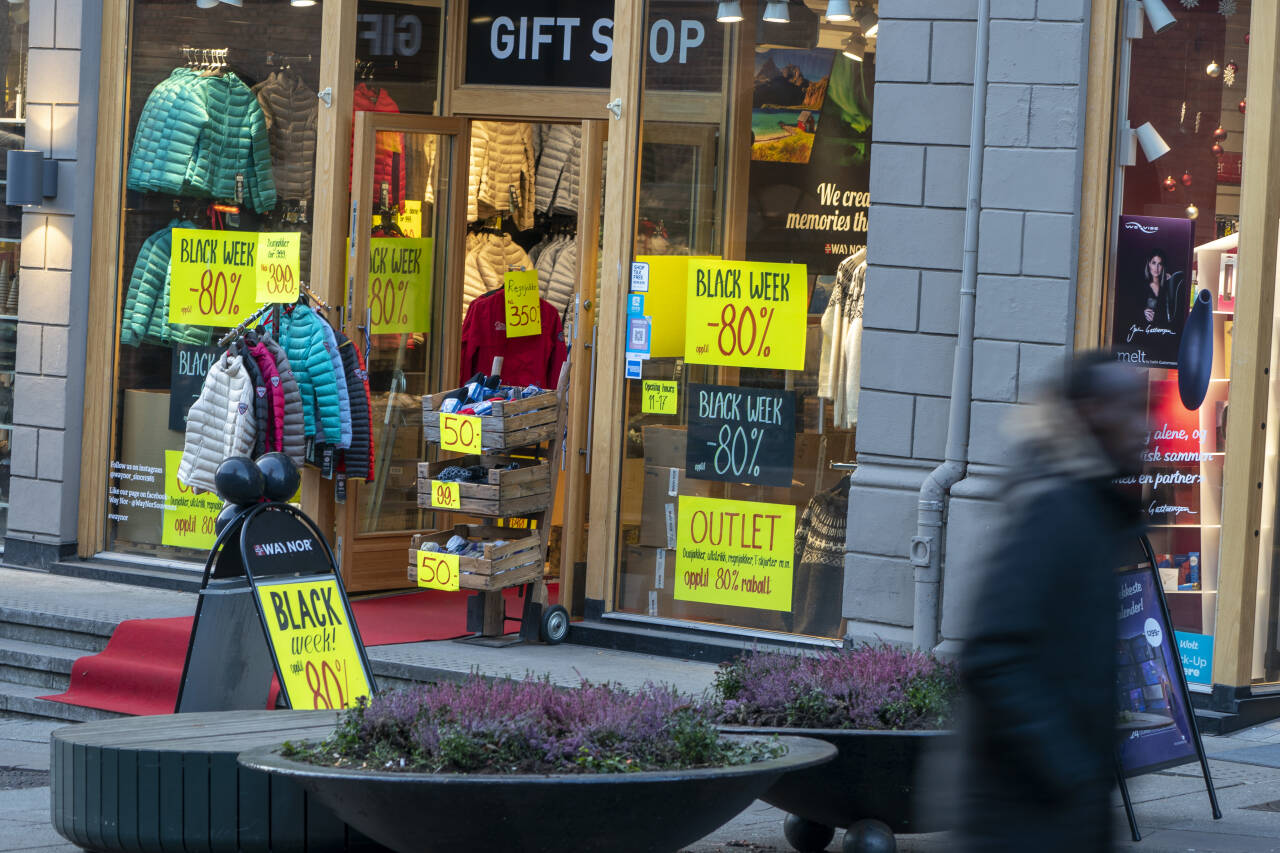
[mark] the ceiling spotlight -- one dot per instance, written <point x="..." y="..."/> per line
<point x="775" y="12"/>
<point x="302" y="3"/>
<point x="729" y="11"/>
<point x="855" y="47"/>
<point x="206" y="4"/>
<point x="1160" y="17"/>
<point x="1153" y="144"/>
<point x="838" y="10"/>
<point x="869" y="21"/>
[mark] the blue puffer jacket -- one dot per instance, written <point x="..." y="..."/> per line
<point x="303" y="337"/>
<point x="344" y="399"/>
<point x="145" y="318"/>
<point x="196" y="134"/>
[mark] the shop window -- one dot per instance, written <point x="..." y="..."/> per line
<point x="13" y="65"/>
<point x="220" y="137"/>
<point x="1176" y="243"/>
<point x="731" y="510"/>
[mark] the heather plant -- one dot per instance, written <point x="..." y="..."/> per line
<point x="529" y="726"/>
<point x="870" y="687"/>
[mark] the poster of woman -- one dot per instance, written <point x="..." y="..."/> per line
<point x="1152" y="289"/>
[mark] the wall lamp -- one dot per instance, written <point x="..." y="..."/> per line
<point x="29" y="178"/>
<point x="729" y="11"/>
<point x="1153" y="145"/>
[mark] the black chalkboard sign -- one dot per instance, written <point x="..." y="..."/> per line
<point x="741" y="435"/>
<point x="188" y="368"/>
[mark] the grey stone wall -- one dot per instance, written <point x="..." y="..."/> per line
<point x="1028" y="233"/>
<point x="53" y="299"/>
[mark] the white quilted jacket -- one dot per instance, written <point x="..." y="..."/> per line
<point x="220" y="423"/>
<point x="488" y="259"/>
<point x="502" y="172"/>
<point x="559" y="164"/>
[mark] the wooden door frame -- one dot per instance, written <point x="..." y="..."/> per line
<point x="445" y="334"/>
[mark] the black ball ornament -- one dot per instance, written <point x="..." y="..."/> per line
<point x="224" y="518"/>
<point x="280" y="476"/>
<point x="238" y="481"/>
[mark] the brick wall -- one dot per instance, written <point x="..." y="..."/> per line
<point x="1028" y="229"/>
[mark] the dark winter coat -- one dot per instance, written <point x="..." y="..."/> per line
<point x="360" y="455"/>
<point x="261" y="406"/>
<point x="289" y="107"/>
<point x="274" y="393"/>
<point x="293" y="438"/>
<point x="1039" y="665"/>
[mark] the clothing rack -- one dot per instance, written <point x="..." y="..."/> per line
<point x="243" y="325"/>
<point x="284" y="60"/>
<point x="310" y="294"/>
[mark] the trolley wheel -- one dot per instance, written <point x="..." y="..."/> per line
<point x="555" y="625"/>
<point x="807" y="836"/>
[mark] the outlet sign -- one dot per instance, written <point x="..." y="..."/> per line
<point x="569" y="44"/>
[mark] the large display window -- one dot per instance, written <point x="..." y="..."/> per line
<point x="743" y="323"/>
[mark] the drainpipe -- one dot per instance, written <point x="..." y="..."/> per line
<point x="926" y="545"/>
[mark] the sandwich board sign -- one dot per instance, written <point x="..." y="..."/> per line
<point x="272" y="602"/>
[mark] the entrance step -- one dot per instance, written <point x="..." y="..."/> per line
<point x="20" y="699"/>
<point x="156" y="577"/>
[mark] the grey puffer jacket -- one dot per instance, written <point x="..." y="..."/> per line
<point x="220" y="424"/>
<point x="290" y="111"/>
<point x="294" y="439"/>
<point x="559" y="165"/>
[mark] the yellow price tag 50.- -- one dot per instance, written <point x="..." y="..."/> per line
<point x="446" y="495"/>
<point x="524" y="311"/>
<point x="438" y="571"/>
<point x="460" y="432"/>
<point x="660" y="398"/>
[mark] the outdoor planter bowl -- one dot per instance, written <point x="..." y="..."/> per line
<point x="657" y="812"/>
<point x="872" y="779"/>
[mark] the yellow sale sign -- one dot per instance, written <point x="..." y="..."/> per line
<point x="400" y="284"/>
<point x="743" y="314"/>
<point x="460" y="433"/>
<point x="523" y="309"/>
<point x="188" y="518"/>
<point x="410" y="220"/>
<point x="445" y="495"/>
<point x="665" y="302"/>
<point x="660" y="398"/>
<point x="438" y="571"/>
<point x="310" y="629"/>
<point x="279" y="267"/>
<point x="735" y="552"/>
<point x="212" y="276"/>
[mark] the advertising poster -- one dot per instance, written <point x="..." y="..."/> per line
<point x="809" y="181"/>
<point x="740" y="314"/>
<point x="189" y="518"/>
<point x="1152" y="289"/>
<point x="188" y="366"/>
<point x="735" y="552"/>
<point x="741" y="435"/>
<point x="1147" y="661"/>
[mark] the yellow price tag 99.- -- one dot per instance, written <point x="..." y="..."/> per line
<point x="446" y="494"/>
<point x="279" y="266"/>
<point x="438" y="571"/>
<point x="460" y="432"/>
<point x="660" y="398"/>
<point x="524" y="311"/>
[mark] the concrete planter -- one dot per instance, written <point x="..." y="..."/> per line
<point x="868" y="789"/>
<point x="619" y="813"/>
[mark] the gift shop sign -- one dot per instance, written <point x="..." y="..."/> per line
<point x="569" y="44"/>
<point x="740" y="314"/>
<point x="735" y="552"/>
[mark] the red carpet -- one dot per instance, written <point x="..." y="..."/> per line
<point x="141" y="667"/>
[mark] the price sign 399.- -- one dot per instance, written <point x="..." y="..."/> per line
<point x="524" y="311"/>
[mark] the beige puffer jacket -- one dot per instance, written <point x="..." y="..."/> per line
<point x="488" y="259"/>
<point x="220" y="423"/>
<point x="502" y="166"/>
<point x="564" y="277"/>
<point x="559" y="165"/>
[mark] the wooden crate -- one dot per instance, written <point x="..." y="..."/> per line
<point x="513" y="423"/>
<point x="524" y="490"/>
<point x="519" y="561"/>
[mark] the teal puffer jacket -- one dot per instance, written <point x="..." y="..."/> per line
<point x="145" y="318"/>
<point x="303" y="337"/>
<point x="196" y="134"/>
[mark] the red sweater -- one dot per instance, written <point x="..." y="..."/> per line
<point x="530" y="360"/>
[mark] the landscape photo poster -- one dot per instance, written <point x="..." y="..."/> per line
<point x="1152" y="289"/>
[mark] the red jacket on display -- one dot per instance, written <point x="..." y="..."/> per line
<point x="530" y="360"/>
<point x="388" y="144"/>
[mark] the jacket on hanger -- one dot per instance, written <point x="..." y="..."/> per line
<point x="261" y="405"/>
<point x="564" y="276"/>
<point x="388" y="145"/>
<point x="529" y="360"/>
<point x="502" y="173"/>
<point x="304" y="343"/>
<point x="290" y="109"/>
<point x="145" y="318"/>
<point x="359" y="458"/>
<point x="219" y="424"/>
<point x="559" y="165"/>
<point x="273" y="438"/>
<point x="839" y="366"/>
<point x="293" y="437"/>
<point x="344" y="399"/>
<point x="488" y="258"/>
<point x="197" y="135"/>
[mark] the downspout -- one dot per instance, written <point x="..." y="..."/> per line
<point x="926" y="545"/>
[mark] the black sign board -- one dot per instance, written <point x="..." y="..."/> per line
<point x="188" y="367"/>
<point x="569" y="44"/>
<point x="741" y="435"/>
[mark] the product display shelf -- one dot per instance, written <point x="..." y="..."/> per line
<point x="519" y="428"/>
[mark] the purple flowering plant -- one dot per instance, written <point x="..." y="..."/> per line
<point x="870" y="687"/>
<point x="529" y="726"/>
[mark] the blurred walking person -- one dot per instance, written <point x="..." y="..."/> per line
<point x="1039" y="665"/>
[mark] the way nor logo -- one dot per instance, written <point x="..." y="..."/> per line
<point x="291" y="546"/>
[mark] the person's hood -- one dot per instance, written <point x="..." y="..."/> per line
<point x="1051" y="439"/>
